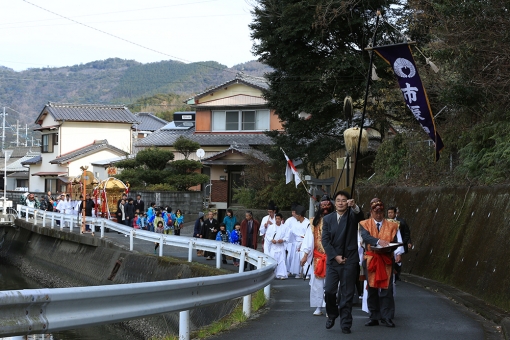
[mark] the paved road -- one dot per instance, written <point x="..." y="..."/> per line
<point x="421" y="313"/>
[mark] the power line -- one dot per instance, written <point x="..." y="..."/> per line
<point x="128" y="20"/>
<point x="120" y="38"/>
<point x="116" y="12"/>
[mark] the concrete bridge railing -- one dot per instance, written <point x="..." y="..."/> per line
<point x="35" y="311"/>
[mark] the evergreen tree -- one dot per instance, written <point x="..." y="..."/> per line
<point x="316" y="49"/>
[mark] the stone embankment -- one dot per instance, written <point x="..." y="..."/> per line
<point x="57" y="258"/>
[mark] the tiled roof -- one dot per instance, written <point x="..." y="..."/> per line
<point x="242" y="149"/>
<point x="21" y="151"/>
<point x="108" y="161"/>
<point x="257" y="82"/>
<point x="33" y="160"/>
<point x="17" y="164"/>
<point x="148" y="122"/>
<point x="168" y="137"/>
<point x="87" y="113"/>
<point x="98" y="145"/>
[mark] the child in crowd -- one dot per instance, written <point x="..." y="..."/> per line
<point x="169" y="221"/>
<point x="178" y="218"/>
<point x="159" y="230"/>
<point x="150" y="222"/>
<point x="158" y="218"/>
<point x="135" y="219"/>
<point x="223" y="236"/>
<point x="142" y="221"/>
<point x="236" y="238"/>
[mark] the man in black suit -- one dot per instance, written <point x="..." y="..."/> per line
<point x="139" y="204"/>
<point x="406" y="236"/>
<point x="340" y="241"/>
<point x="209" y="230"/>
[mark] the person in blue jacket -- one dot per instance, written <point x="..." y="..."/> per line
<point x="230" y="220"/>
<point x="223" y="236"/>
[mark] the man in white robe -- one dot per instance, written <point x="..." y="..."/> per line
<point x="298" y="230"/>
<point x="276" y="237"/>
<point x="314" y="256"/>
<point x="290" y="243"/>
<point x="266" y="222"/>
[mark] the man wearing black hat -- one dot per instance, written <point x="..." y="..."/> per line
<point x="378" y="231"/>
<point x="266" y="222"/>
<point x="340" y="241"/>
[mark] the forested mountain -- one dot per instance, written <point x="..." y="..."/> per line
<point x="110" y="81"/>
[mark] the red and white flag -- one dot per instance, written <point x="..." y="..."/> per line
<point x="291" y="170"/>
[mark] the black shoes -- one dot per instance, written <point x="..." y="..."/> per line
<point x="386" y="322"/>
<point x="330" y="323"/>
<point x="372" y="323"/>
<point x="389" y="323"/>
<point x="346" y="330"/>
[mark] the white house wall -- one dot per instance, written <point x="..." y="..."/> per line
<point x="75" y="135"/>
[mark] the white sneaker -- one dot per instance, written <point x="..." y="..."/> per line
<point x="298" y="276"/>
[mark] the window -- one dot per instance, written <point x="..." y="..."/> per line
<point x="249" y="120"/>
<point x="21" y="183"/>
<point x="47" y="143"/>
<point x="50" y="184"/>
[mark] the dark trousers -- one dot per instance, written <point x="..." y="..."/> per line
<point x="381" y="303"/>
<point x="345" y="274"/>
<point x="246" y="264"/>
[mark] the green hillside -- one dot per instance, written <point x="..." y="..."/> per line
<point x="110" y="81"/>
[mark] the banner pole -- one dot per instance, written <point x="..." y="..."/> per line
<point x="369" y="73"/>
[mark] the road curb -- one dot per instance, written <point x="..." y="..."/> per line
<point x="490" y="312"/>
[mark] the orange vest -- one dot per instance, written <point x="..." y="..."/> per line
<point x="319" y="254"/>
<point x="387" y="233"/>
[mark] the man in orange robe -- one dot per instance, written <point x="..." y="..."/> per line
<point x="377" y="231"/>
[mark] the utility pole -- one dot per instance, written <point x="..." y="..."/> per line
<point x="26" y="134"/>
<point x="3" y="130"/>
<point x="17" y="133"/>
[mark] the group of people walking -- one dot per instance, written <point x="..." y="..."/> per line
<point x="343" y="248"/>
<point x="344" y="254"/>
<point x="132" y="213"/>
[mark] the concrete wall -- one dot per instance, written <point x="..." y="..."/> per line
<point x="461" y="235"/>
<point x="190" y="202"/>
<point x="61" y="259"/>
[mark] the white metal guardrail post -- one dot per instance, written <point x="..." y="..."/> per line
<point x="190" y="250"/>
<point x="52" y="221"/>
<point x="218" y="256"/>
<point x="35" y="217"/>
<point x="131" y="241"/>
<point x="62" y="221"/>
<point x="102" y="228"/>
<point x="246" y="298"/>
<point x="161" y="245"/>
<point x="44" y="218"/>
<point x="267" y="289"/>
<point x="184" y="325"/>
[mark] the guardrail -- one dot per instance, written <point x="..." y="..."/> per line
<point x="35" y="311"/>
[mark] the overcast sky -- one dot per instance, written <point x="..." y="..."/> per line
<point x="184" y="30"/>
